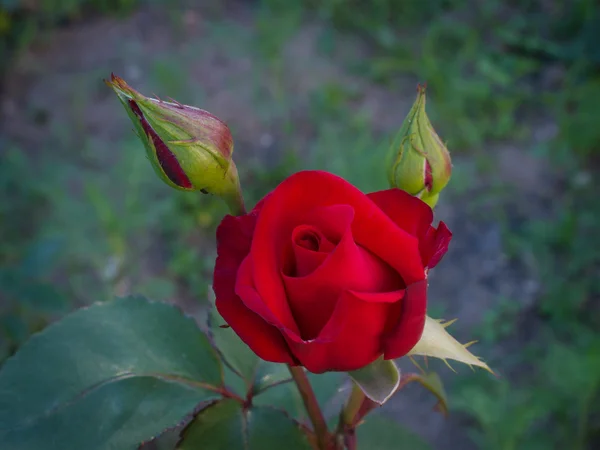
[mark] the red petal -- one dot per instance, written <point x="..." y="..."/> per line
<point x="245" y="290"/>
<point x="415" y="216"/>
<point x="234" y="236"/>
<point x="287" y="207"/>
<point x="409" y="328"/>
<point x="435" y="245"/>
<point x="352" y="337"/>
<point x="409" y="213"/>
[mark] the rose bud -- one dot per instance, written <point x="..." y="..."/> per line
<point x="324" y="276"/>
<point x="189" y="148"/>
<point x="419" y="161"/>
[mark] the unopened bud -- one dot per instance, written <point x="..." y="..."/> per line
<point x="189" y="148"/>
<point x="419" y="161"/>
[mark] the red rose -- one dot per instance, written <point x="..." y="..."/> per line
<point x="321" y="275"/>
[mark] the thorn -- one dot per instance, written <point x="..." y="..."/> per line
<point x="417" y="364"/>
<point x="448" y="364"/>
<point x="468" y="344"/>
<point x="224" y="326"/>
<point x="447" y="324"/>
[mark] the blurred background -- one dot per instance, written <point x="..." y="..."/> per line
<point x="513" y="88"/>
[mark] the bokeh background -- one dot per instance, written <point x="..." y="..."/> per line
<point x="513" y="88"/>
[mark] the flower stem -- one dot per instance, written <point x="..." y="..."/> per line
<point x="232" y="194"/>
<point x="353" y="405"/>
<point x="235" y="202"/>
<point x="312" y="406"/>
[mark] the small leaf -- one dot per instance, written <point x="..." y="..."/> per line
<point x="227" y="426"/>
<point x="436" y="342"/>
<point x="433" y="383"/>
<point x="108" y="376"/>
<point x="380" y="433"/>
<point x="235" y="352"/>
<point x="378" y="380"/>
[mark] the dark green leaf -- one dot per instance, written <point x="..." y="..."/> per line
<point x="107" y="376"/>
<point x="226" y="426"/>
<point x="218" y="427"/>
<point x="166" y="441"/>
<point x="380" y="433"/>
<point x="269" y="428"/>
<point x="378" y="380"/>
<point x="116" y="415"/>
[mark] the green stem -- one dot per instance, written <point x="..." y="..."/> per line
<point x="312" y="406"/>
<point x="232" y="192"/>
<point x="355" y="401"/>
<point x="235" y="202"/>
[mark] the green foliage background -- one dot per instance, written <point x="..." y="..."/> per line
<point x="74" y="228"/>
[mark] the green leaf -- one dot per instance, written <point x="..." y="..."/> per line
<point x="227" y="426"/>
<point x="380" y="433"/>
<point x="284" y="396"/>
<point x="433" y="383"/>
<point x="268" y="428"/>
<point x="234" y="382"/>
<point x="268" y="373"/>
<point x="378" y="380"/>
<point x="235" y="352"/>
<point x="165" y="441"/>
<point x="107" y="376"/>
<point x="219" y="426"/>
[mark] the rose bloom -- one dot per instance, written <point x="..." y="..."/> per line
<point x="321" y="275"/>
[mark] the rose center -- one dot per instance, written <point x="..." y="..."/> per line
<point x="309" y="240"/>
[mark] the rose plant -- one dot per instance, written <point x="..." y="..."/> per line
<point x="317" y="290"/>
